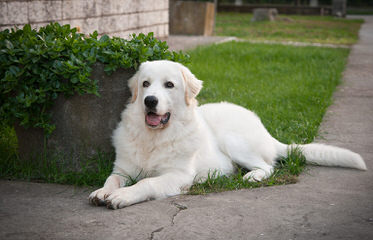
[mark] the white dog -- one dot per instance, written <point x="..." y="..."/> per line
<point x="168" y="142"/>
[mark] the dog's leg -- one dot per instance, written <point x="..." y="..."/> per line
<point x="163" y="186"/>
<point x="259" y="174"/>
<point x="239" y="151"/>
<point x="116" y="180"/>
<point x="260" y="170"/>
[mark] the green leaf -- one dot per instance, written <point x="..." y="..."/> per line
<point x="8" y="44"/>
<point x="74" y="79"/>
<point x="27" y="28"/>
<point x="149" y="52"/>
<point x="104" y="38"/>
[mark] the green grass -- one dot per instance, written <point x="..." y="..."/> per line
<point x="286" y="172"/>
<point x="313" y="29"/>
<point x="288" y="87"/>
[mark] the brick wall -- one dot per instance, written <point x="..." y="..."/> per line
<point x="112" y="17"/>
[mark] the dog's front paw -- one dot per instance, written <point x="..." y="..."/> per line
<point x="256" y="175"/>
<point x="120" y="198"/>
<point x="98" y="197"/>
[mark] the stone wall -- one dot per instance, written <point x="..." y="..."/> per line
<point x="113" y="17"/>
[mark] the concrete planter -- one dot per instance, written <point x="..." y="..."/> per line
<point x="339" y="8"/>
<point x="84" y="124"/>
<point x="192" y="18"/>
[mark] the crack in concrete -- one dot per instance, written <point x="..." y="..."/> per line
<point x="179" y="209"/>
<point x="154" y="232"/>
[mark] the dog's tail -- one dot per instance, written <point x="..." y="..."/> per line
<point x="325" y="155"/>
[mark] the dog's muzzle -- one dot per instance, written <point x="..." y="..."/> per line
<point x="154" y="120"/>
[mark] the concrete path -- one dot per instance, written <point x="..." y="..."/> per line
<point x="327" y="203"/>
<point x="179" y="42"/>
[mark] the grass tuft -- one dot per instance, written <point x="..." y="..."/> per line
<point x="286" y="172"/>
<point x="294" y="163"/>
<point x="132" y="180"/>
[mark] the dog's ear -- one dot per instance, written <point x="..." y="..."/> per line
<point x="192" y="85"/>
<point x="133" y="86"/>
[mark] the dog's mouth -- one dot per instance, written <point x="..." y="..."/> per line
<point x="154" y="120"/>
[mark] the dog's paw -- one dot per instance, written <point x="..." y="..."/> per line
<point x="256" y="175"/>
<point x="98" y="197"/>
<point x="120" y="198"/>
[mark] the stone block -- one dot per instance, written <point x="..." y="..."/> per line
<point x="122" y="34"/>
<point x="90" y="25"/>
<point x="152" y="5"/>
<point x="86" y="26"/>
<point x="164" y="16"/>
<point x="133" y="20"/>
<point x="39" y="25"/>
<point x="192" y="18"/>
<point x="164" y="4"/>
<point x="148" y="29"/>
<point x="17" y="13"/>
<point x="150" y="18"/>
<point x="166" y="30"/>
<point x="4" y="13"/>
<point x="127" y="34"/>
<point x="119" y="6"/>
<point x="116" y="23"/>
<point x="339" y="8"/>
<point x="264" y="14"/>
<point x="159" y="31"/>
<point x="81" y="8"/>
<point x="73" y="23"/>
<point x="84" y="124"/>
<point x="44" y="11"/>
<point x="4" y="27"/>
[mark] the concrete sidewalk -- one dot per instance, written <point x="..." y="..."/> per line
<point x="180" y="42"/>
<point x="327" y="203"/>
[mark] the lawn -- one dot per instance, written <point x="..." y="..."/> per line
<point x="315" y="29"/>
<point x="288" y="87"/>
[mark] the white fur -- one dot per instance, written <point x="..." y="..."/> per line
<point x="195" y="141"/>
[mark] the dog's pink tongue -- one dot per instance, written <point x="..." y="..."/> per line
<point x="153" y="119"/>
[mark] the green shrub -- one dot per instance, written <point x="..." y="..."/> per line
<point x="37" y="66"/>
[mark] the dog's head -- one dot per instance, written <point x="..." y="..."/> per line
<point x="164" y="89"/>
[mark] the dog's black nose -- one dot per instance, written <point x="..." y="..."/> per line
<point x="151" y="101"/>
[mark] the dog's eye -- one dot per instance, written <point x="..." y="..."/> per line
<point x="146" y="84"/>
<point x="169" y="85"/>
